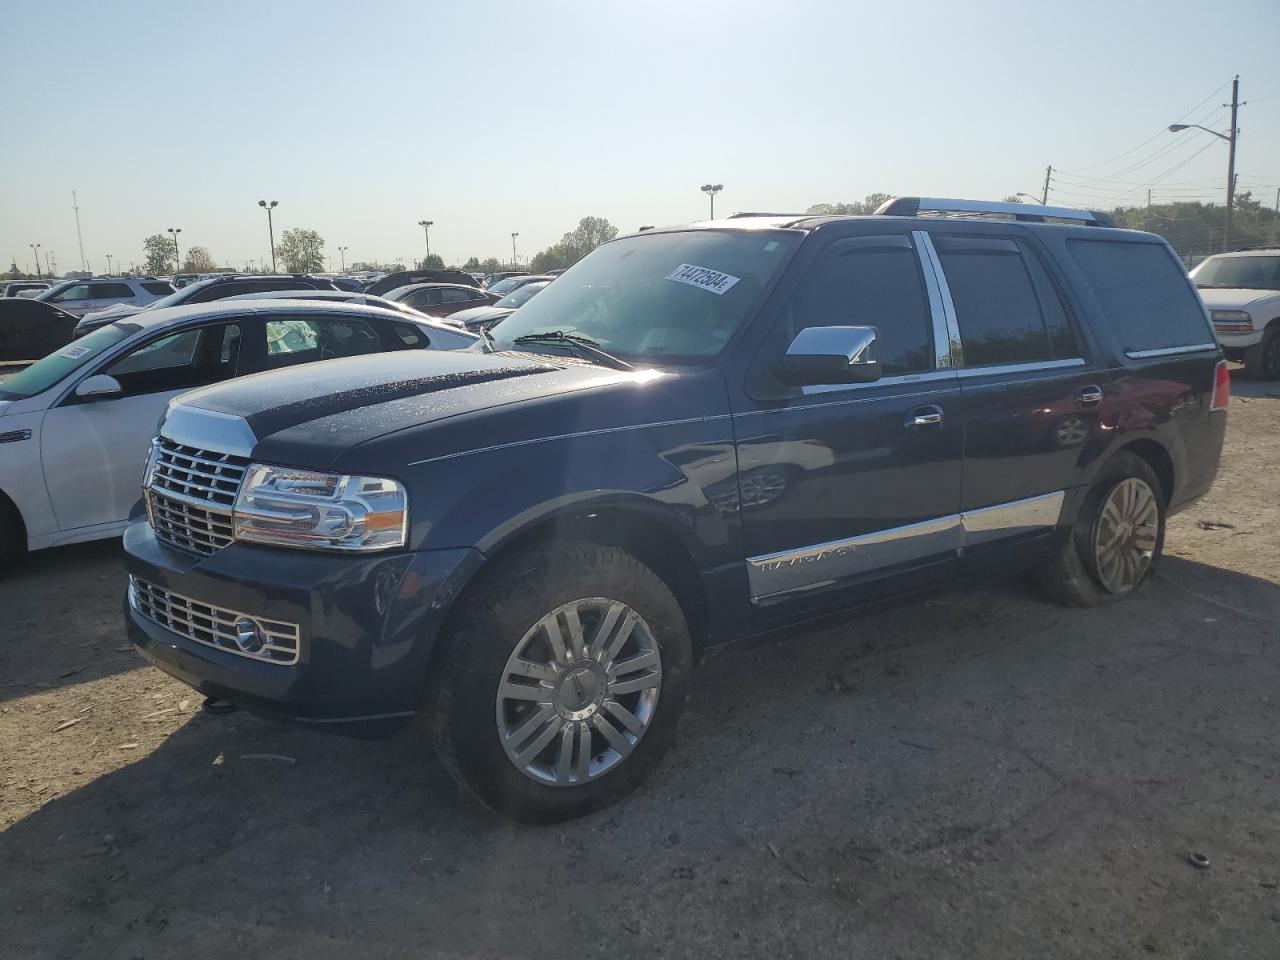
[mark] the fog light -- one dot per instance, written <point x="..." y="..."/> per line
<point x="249" y="635"/>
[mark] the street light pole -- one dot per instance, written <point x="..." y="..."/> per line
<point x="35" y="252"/>
<point x="515" y="260"/>
<point x="426" y="232"/>
<point x="711" y="189"/>
<point x="1230" y="137"/>
<point x="342" y="254"/>
<point x="177" y="253"/>
<point x="109" y="271"/>
<point x="271" y="232"/>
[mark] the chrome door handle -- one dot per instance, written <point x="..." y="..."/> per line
<point x="1089" y="396"/>
<point x="923" y="417"/>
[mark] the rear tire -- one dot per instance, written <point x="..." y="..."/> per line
<point x="13" y="541"/>
<point x="1262" y="360"/>
<point x="1116" y="540"/>
<point x="561" y="681"/>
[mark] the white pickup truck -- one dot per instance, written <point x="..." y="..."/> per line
<point x="1242" y="292"/>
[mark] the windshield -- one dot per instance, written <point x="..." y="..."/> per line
<point x="664" y="297"/>
<point x="503" y="287"/>
<point x="182" y="295"/>
<point x="519" y="296"/>
<point x="43" y="374"/>
<point x="1247" y="273"/>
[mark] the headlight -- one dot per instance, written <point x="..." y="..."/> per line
<point x="326" y="511"/>
<point x="1238" y="320"/>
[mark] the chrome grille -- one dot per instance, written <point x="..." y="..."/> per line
<point x="213" y="626"/>
<point x="200" y="475"/>
<point x="190" y="493"/>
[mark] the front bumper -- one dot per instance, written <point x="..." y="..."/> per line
<point x="1237" y="341"/>
<point x="366" y="624"/>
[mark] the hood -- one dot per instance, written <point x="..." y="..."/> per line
<point x="310" y="414"/>
<point x="118" y="311"/>
<point x="478" y="317"/>
<point x="1233" y="298"/>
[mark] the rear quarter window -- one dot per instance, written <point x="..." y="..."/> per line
<point x="1144" y="293"/>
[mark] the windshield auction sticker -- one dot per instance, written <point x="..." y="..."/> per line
<point x="74" y="353"/>
<point x="704" y="278"/>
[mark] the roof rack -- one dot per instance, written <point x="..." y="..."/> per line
<point x="1027" y="212"/>
<point x="798" y="216"/>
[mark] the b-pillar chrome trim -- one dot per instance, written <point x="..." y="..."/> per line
<point x="772" y="576"/>
<point x="946" y="329"/>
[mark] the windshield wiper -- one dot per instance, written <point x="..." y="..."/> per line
<point x="487" y="338"/>
<point x="583" y="346"/>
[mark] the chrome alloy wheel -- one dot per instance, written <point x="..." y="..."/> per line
<point x="578" y="692"/>
<point x="1124" y="539"/>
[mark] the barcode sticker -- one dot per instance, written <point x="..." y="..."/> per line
<point x="704" y="278"/>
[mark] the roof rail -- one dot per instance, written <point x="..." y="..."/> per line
<point x="1027" y="212"/>
<point x="798" y="216"/>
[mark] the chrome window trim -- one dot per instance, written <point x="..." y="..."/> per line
<point x="1170" y="351"/>
<point x="929" y="376"/>
<point x="954" y="345"/>
<point x="937" y="313"/>
<point x="774" y="576"/>
<point x="1021" y="367"/>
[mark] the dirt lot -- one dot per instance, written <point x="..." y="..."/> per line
<point x="980" y="774"/>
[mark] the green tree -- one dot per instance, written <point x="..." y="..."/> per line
<point x="472" y="265"/>
<point x="856" y="208"/>
<point x="433" y="262"/>
<point x="574" y="245"/>
<point x="1195" y="230"/>
<point x="160" y="254"/>
<point x="490" y="265"/>
<point x="199" y="260"/>
<point x="301" y="250"/>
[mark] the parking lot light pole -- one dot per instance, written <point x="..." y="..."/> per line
<point x="1230" y="137"/>
<point x="177" y="253"/>
<point x="342" y="254"/>
<point x="35" y="252"/>
<point x="108" y="264"/>
<point x="426" y="232"/>
<point x="711" y="189"/>
<point x="515" y="260"/>
<point x="271" y="232"/>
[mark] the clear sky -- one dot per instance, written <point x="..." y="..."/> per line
<point x="491" y="117"/>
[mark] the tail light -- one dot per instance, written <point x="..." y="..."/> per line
<point x="1221" y="387"/>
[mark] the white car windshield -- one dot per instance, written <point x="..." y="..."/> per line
<point x="44" y="373"/>
<point x="1246" y="273"/>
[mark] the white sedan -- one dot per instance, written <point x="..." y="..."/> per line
<point x="76" y="426"/>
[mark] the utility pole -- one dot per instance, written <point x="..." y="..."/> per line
<point x="1044" y="199"/>
<point x="515" y="261"/>
<point x="35" y="252"/>
<point x="1148" y="198"/>
<point x="51" y="262"/>
<point x="1231" y="161"/>
<point x="1275" y="221"/>
<point x="78" y="238"/>
<point x="342" y="252"/>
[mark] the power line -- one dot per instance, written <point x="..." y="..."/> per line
<point x="1158" y="133"/>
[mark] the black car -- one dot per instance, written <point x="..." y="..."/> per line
<point x="695" y="434"/>
<point x="403" y="278"/>
<point x="476" y="319"/>
<point x="207" y="291"/>
<point x="29" y="329"/>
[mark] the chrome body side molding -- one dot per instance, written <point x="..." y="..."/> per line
<point x="773" y="576"/>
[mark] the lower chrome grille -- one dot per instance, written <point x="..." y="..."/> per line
<point x="188" y="526"/>
<point x="271" y="641"/>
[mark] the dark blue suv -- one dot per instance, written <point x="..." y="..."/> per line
<point x="693" y="435"/>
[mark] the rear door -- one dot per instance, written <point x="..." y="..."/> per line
<point x="857" y="484"/>
<point x="1032" y="388"/>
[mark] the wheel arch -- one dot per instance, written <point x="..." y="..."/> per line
<point x="8" y="507"/>
<point x="650" y="532"/>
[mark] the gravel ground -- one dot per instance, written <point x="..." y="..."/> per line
<point x="977" y="774"/>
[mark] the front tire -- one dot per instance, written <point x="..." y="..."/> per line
<point x="1262" y="360"/>
<point x="561" y="682"/>
<point x="1116" y="540"/>
<point x="13" y="544"/>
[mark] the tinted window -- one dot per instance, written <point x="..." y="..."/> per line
<point x="455" y="295"/>
<point x="104" y="290"/>
<point x="422" y="298"/>
<point x="180" y="361"/>
<point x="1144" y="294"/>
<point x="1249" y="273"/>
<point x="304" y="340"/>
<point x="874" y="283"/>
<point x="409" y="335"/>
<point x="1062" y="335"/>
<point x="996" y="306"/>
<point x="158" y="288"/>
<point x="78" y="291"/>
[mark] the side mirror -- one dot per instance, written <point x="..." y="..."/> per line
<point x="99" y="387"/>
<point x="823" y="355"/>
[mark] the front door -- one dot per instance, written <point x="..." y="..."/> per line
<point x="852" y="484"/>
<point x="93" y="452"/>
<point x="1032" y="393"/>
